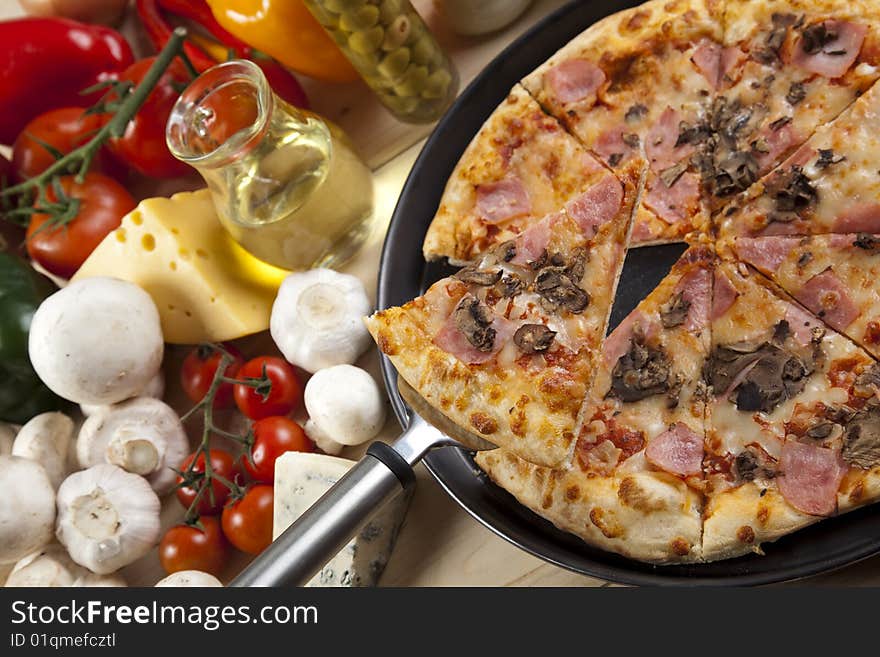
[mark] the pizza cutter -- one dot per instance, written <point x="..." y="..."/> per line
<point x="380" y="476"/>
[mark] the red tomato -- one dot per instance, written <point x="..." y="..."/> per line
<point x="62" y="129"/>
<point x="186" y="547"/>
<point x="284" y="397"/>
<point x="247" y="522"/>
<point x="222" y="464"/>
<point x="63" y="249"/>
<point x="272" y="437"/>
<point x="142" y="146"/>
<point x="198" y="371"/>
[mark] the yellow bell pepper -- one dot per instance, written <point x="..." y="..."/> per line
<point x="286" y="30"/>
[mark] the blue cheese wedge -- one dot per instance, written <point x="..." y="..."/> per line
<point x="300" y="479"/>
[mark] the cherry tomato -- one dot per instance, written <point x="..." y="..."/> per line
<point x="198" y="371"/>
<point x="186" y="547"/>
<point x="142" y="146"/>
<point x="284" y="397"/>
<point x="272" y="437"/>
<point x="62" y="129"/>
<point x="222" y="464"/>
<point x="247" y="522"/>
<point x="62" y="249"/>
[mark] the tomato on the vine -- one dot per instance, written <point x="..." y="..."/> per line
<point x="272" y="437"/>
<point x="222" y="464"/>
<point x="188" y="547"/>
<point x="247" y="522"/>
<point x="62" y="130"/>
<point x="199" y="369"/>
<point x="62" y="249"/>
<point x="143" y="146"/>
<point x="284" y="397"/>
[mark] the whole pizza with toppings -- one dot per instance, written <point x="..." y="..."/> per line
<point x="740" y="400"/>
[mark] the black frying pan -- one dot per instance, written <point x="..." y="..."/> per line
<point x="404" y="274"/>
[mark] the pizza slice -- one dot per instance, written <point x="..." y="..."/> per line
<point x="504" y="348"/>
<point x="796" y="64"/>
<point x="834" y="276"/>
<point x="793" y="434"/>
<point x="521" y="166"/>
<point x="625" y="85"/>
<point x="831" y="184"/>
<point x="634" y="485"/>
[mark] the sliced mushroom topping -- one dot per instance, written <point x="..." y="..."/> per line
<point x="750" y="464"/>
<point x="773" y="42"/>
<point x="506" y="251"/>
<point x="474" y="320"/>
<point x="641" y="372"/>
<point x="781" y="331"/>
<point x="868" y="382"/>
<point x="796" y="93"/>
<point x="533" y="338"/>
<point x="631" y="139"/>
<point x="692" y="134"/>
<point x="735" y="173"/>
<point x="814" y="38"/>
<point x="558" y="290"/>
<point x="780" y="123"/>
<point x="805" y="258"/>
<point x="675" y="311"/>
<point x="636" y="113"/>
<point x="478" y="276"/>
<point x="614" y="159"/>
<point x="766" y="374"/>
<point x="861" y="443"/>
<point x="826" y="158"/>
<point x="820" y="430"/>
<point x="577" y="264"/>
<point x="867" y="242"/>
<point x="511" y="285"/>
<point x="792" y="191"/>
<point x="670" y="175"/>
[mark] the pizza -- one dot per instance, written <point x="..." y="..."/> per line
<point x="633" y="485"/>
<point x="504" y="347"/>
<point x="834" y="276"/>
<point x="831" y="184"/>
<point x="740" y="400"/>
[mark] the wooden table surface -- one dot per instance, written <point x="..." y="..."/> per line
<point x="439" y="544"/>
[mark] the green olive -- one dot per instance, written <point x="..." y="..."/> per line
<point x="425" y="50"/>
<point x="400" y="105"/>
<point x="340" y="6"/>
<point x="396" y="33"/>
<point x="395" y="63"/>
<point x="326" y="18"/>
<point x="390" y="9"/>
<point x="360" y="18"/>
<point x="340" y="37"/>
<point x="412" y="81"/>
<point x="366" y="41"/>
<point x="437" y="84"/>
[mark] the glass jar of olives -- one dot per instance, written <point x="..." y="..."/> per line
<point x="394" y="51"/>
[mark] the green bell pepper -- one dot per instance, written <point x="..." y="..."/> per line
<point x="22" y="394"/>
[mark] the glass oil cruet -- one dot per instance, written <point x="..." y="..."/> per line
<point x="286" y="184"/>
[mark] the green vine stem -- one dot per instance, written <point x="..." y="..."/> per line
<point x="115" y="127"/>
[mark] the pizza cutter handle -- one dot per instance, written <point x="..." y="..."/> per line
<point x="329" y="524"/>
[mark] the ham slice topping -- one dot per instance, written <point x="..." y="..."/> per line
<point x="829" y="48"/>
<point x="826" y="295"/>
<point x="809" y="477"/>
<point x="597" y="206"/>
<point x="611" y="146"/>
<point x="502" y="200"/>
<point x="574" y="80"/>
<point x="676" y="203"/>
<point x="765" y="253"/>
<point x="678" y="450"/>
<point x="716" y="62"/>
<point x="618" y="341"/>
<point x="696" y="291"/>
<point x="723" y="295"/>
<point x="776" y="142"/>
<point x="451" y="340"/>
<point x="801" y="324"/>
<point x="661" y="139"/>
<point x="532" y="242"/>
<point x="859" y="218"/>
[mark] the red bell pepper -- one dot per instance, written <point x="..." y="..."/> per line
<point x="47" y="62"/>
<point x="280" y="79"/>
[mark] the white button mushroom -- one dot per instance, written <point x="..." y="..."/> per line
<point x="185" y="578"/>
<point x="324" y="441"/>
<point x="93" y="580"/>
<point x="155" y="389"/>
<point x="27" y="513"/>
<point x="107" y="517"/>
<point x="46" y="439"/>
<point x="344" y="404"/>
<point x="143" y="436"/>
<point x="51" y="566"/>
<point x="317" y="319"/>
<point x="97" y="341"/>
